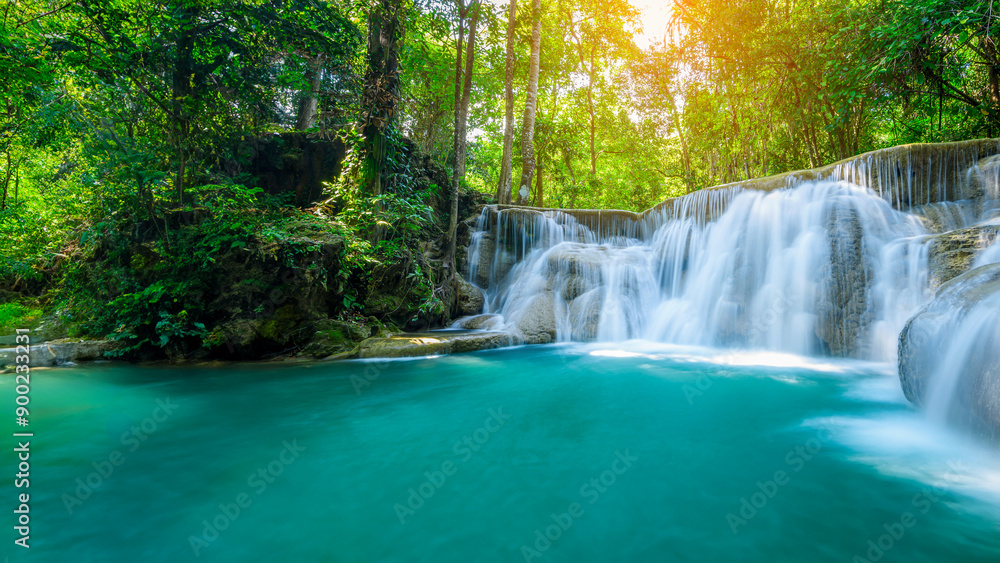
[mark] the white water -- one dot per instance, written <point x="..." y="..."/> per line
<point x="760" y="276"/>
<point x="989" y="256"/>
<point x="819" y="268"/>
<point x="958" y="339"/>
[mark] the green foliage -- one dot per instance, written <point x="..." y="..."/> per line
<point x="128" y="132"/>
<point x="424" y="285"/>
<point x="939" y="62"/>
<point x="395" y="217"/>
<point x="16" y="315"/>
<point x="155" y="294"/>
<point x="150" y="317"/>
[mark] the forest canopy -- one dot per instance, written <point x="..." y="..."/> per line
<point x="732" y="90"/>
<point x="118" y="114"/>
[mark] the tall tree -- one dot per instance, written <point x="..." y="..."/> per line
<point x="309" y="100"/>
<point x="463" y="97"/>
<point x="530" y="107"/>
<point x="381" y="90"/>
<point x="507" y="160"/>
<point x="182" y="87"/>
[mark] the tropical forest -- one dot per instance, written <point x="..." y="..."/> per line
<point x="495" y="280"/>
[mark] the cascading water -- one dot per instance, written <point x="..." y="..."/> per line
<point x="834" y="265"/>
<point x="763" y="275"/>
<point x="989" y="256"/>
<point x="949" y="352"/>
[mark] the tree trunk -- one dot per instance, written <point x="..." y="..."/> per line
<point x="507" y="164"/>
<point x="381" y="90"/>
<point x="309" y="100"/>
<point x="182" y="89"/>
<point x="530" y="106"/>
<point x="685" y="155"/>
<point x="993" y="79"/>
<point x="572" y="178"/>
<point x="6" y="184"/>
<point x="539" y="182"/>
<point x="463" y="97"/>
<point x="592" y="114"/>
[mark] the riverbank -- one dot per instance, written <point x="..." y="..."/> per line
<point x="70" y="352"/>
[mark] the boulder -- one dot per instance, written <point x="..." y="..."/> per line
<point x="952" y="254"/>
<point x="577" y="259"/>
<point x="537" y="324"/>
<point x="431" y="344"/>
<point x="481" y="258"/>
<point x="470" y="298"/>
<point x="576" y="269"/>
<point x="334" y="337"/>
<point x="585" y="315"/>
<point x="962" y="314"/>
<point x="60" y="352"/>
<point x="843" y="313"/>
<point x="481" y="322"/>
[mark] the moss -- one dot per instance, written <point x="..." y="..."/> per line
<point x="17" y="315"/>
<point x="333" y="335"/>
<point x="336" y="336"/>
<point x="280" y="324"/>
<point x="416" y="345"/>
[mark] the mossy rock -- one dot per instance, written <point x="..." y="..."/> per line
<point x="281" y="324"/>
<point x="335" y="336"/>
<point x="952" y="254"/>
<point x="431" y="344"/>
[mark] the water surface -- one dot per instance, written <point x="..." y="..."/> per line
<point x="507" y="446"/>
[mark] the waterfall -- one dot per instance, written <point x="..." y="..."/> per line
<point x="990" y="256"/>
<point x="950" y="353"/>
<point x="832" y="261"/>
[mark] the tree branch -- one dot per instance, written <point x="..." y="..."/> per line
<point x="40" y="16"/>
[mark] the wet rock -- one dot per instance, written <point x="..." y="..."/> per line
<point x="937" y="329"/>
<point x="334" y="337"/>
<point x="470" y="298"/>
<point x="575" y="270"/>
<point x="945" y="216"/>
<point x="484" y="260"/>
<point x="537" y="324"/>
<point x="491" y="264"/>
<point x="577" y="259"/>
<point x="843" y="314"/>
<point x="60" y="352"/>
<point x="576" y="286"/>
<point x="431" y="344"/>
<point x="481" y="322"/>
<point x="585" y="315"/>
<point x="985" y="177"/>
<point x="952" y="254"/>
